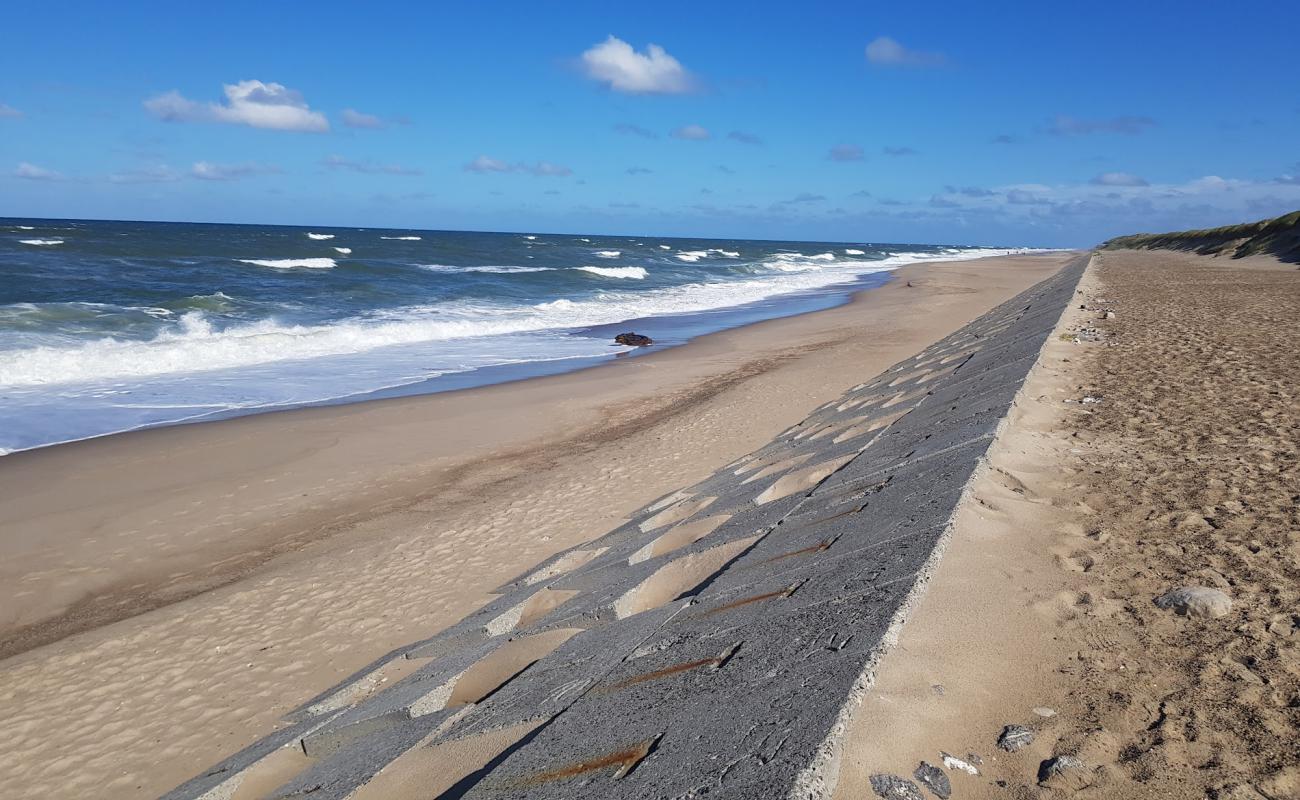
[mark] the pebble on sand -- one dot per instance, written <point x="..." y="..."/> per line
<point x="934" y="779"/>
<point x="1063" y="772"/>
<point x="1015" y="737"/>
<point x="1195" y="601"/>
<point x="892" y="787"/>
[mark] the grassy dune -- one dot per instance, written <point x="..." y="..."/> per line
<point x="1278" y="237"/>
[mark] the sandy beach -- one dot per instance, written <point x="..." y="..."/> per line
<point x="1152" y="448"/>
<point x="170" y="593"/>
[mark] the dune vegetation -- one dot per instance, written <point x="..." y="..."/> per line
<point x="1279" y="237"/>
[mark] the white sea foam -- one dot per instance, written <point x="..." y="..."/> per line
<point x="609" y="253"/>
<point x="636" y="273"/>
<point x="291" y="263"/>
<point x="853" y="252"/>
<point x="402" y="238"/>
<point x="320" y="236"/>
<point x="194" y="344"/>
<point x="664" y="247"/>
<point x="24" y="227"/>
<point x="692" y="255"/>
<point x="530" y="238"/>
<point x="347" y="251"/>
<point x="40" y="242"/>
<point x="726" y="253"/>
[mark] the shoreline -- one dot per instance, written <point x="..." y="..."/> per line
<point x="357" y="528"/>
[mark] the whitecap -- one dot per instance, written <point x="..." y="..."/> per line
<point x="493" y="269"/>
<point x="291" y="263"/>
<point x="609" y="253"/>
<point x="24" y="227"/>
<point x="726" y="253"/>
<point x="40" y="242"/>
<point x="692" y="255"/>
<point x="530" y="238"/>
<point x="402" y="238"/>
<point x="635" y="273"/>
<point x="854" y="252"/>
<point x="665" y="247"/>
<point x="347" y="251"/>
<point x="320" y="236"/>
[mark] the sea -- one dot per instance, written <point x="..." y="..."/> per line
<point x="114" y="326"/>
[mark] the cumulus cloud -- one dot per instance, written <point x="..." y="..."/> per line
<point x="9" y="112"/>
<point x="1063" y="125"/>
<point x="544" y="169"/>
<point x="899" y="151"/>
<point x="356" y="119"/>
<point x="259" y="105"/>
<point x="744" y="137"/>
<point x="639" y="171"/>
<point x="31" y="172"/>
<point x="619" y="66"/>
<point x="338" y="162"/>
<point x="861" y="193"/>
<point x="1118" y="179"/>
<point x="941" y="201"/>
<point x="208" y="171"/>
<point x="885" y="51"/>
<point x="629" y="129"/>
<point x="694" y="133"/>
<point x="846" y="152"/>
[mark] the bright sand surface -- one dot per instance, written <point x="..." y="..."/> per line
<point x="1041" y="612"/>
<point x="206" y="579"/>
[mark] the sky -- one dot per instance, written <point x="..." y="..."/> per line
<point x="1035" y="124"/>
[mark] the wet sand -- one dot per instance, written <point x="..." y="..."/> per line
<point x="1186" y="472"/>
<point x="177" y="590"/>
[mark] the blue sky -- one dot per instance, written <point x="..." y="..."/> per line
<point x="1014" y="123"/>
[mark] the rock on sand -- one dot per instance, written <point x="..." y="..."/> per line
<point x="1195" y="601"/>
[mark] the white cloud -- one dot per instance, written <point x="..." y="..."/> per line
<point x="356" y="119"/>
<point x="339" y="162"/>
<point x="253" y="103"/>
<point x="888" y="52"/>
<point x="32" y="172"/>
<point x="696" y="133"/>
<point x="616" y="64"/>
<point x="542" y="169"/>
<point x="206" y="170"/>
<point x="1118" y="179"/>
<point x="9" y="112"/>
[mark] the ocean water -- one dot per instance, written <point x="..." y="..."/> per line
<point x="113" y="326"/>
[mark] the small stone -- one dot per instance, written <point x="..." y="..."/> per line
<point x="1015" y="737"/>
<point x="1045" y="712"/>
<point x="1195" y="601"/>
<point x="1063" y="772"/>
<point x="892" y="787"/>
<point x="934" y="779"/>
<point x="1110" y="315"/>
<point x="966" y="765"/>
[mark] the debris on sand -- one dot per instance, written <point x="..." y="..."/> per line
<point x="1195" y="601"/>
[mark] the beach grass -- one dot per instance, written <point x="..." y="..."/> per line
<point x="1278" y="237"/>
